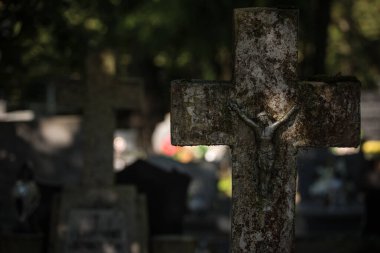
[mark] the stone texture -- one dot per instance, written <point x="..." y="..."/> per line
<point x="265" y="80"/>
<point x="334" y="106"/>
<point x="100" y="217"/>
<point x="110" y="219"/>
<point x="201" y="107"/>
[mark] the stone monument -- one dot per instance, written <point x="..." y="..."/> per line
<point x="265" y="115"/>
<point x="100" y="217"/>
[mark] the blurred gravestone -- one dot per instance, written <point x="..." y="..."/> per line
<point x="202" y="189"/>
<point x="17" y="234"/>
<point x="318" y="112"/>
<point x="14" y="152"/>
<point x="166" y="193"/>
<point x="100" y="217"/>
<point x="97" y="220"/>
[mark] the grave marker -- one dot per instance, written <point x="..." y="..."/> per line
<point x="100" y="217"/>
<point x="265" y="115"/>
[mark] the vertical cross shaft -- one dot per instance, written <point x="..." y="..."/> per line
<point x="105" y="94"/>
<point x="265" y="70"/>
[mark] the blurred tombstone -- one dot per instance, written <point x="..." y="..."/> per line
<point x="18" y="192"/>
<point x="166" y="192"/>
<point x="24" y="234"/>
<point x="14" y="152"/>
<point x="308" y="161"/>
<point x="330" y="185"/>
<point x="203" y="186"/>
<point x="100" y="217"/>
<point x="110" y="219"/>
<point x="205" y="217"/>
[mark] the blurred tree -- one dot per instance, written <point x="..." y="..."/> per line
<point x="354" y="40"/>
<point x="161" y="40"/>
<point x="314" y="22"/>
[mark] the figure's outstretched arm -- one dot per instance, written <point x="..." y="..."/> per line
<point x="275" y="125"/>
<point x="248" y="121"/>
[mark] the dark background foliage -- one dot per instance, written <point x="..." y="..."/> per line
<point x="160" y="40"/>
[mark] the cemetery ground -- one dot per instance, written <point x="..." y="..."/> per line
<point x="331" y="214"/>
<point x="330" y="221"/>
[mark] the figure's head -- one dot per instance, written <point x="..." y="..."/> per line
<point x="264" y="118"/>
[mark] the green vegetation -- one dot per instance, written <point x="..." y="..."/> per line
<point x="161" y="40"/>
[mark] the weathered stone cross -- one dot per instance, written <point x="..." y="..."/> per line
<point x="265" y="116"/>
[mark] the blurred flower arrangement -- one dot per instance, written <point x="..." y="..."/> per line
<point x="371" y="149"/>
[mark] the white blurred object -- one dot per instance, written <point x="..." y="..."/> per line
<point x="24" y="115"/>
<point x="160" y="132"/>
<point x="345" y="151"/>
<point x="120" y="144"/>
<point x="215" y="153"/>
<point x="126" y="150"/>
<point x="59" y="131"/>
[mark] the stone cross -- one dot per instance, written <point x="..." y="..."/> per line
<point x="116" y="213"/>
<point x="265" y="115"/>
<point x="105" y="94"/>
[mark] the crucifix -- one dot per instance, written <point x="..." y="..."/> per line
<point x="265" y="115"/>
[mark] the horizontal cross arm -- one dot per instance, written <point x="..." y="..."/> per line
<point x="330" y="113"/>
<point x="199" y="113"/>
<point x="127" y="94"/>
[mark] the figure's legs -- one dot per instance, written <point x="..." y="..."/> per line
<point x="266" y="162"/>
